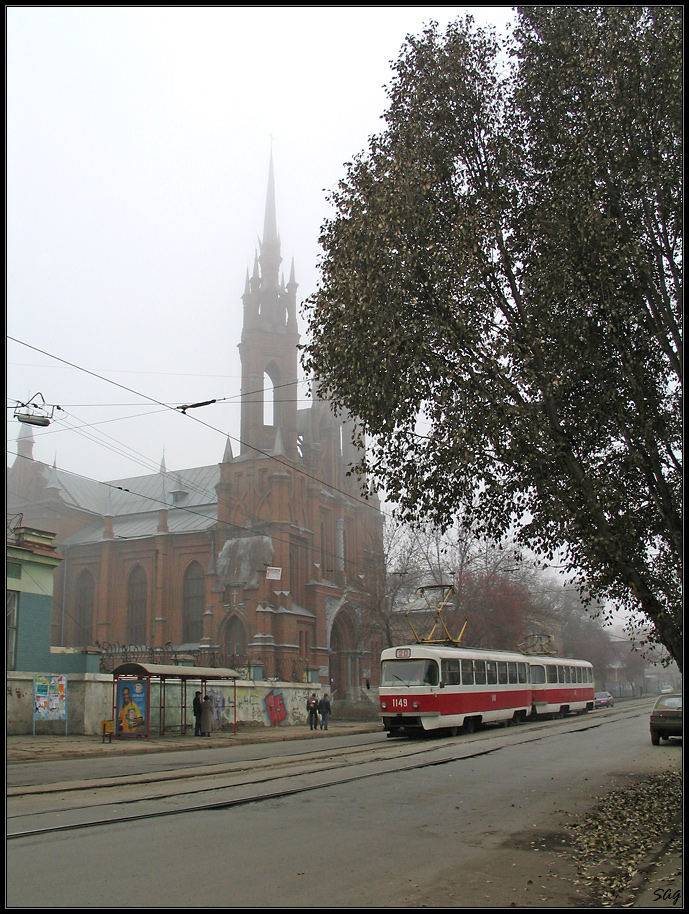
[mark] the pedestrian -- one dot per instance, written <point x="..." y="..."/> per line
<point x="312" y="709"/>
<point x="206" y="717"/>
<point x="324" y="711"/>
<point x="197" y="714"/>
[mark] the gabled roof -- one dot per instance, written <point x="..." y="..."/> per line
<point x="134" y="503"/>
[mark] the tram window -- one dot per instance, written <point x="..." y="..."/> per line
<point x="521" y="672"/>
<point x="552" y="673"/>
<point x="491" y="672"/>
<point x="480" y="671"/>
<point x="409" y="672"/>
<point x="560" y="674"/>
<point x="467" y="672"/>
<point x="512" y="671"/>
<point x="430" y="676"/>
<point x="502" y="672"/>
<point x="579" y="672"/>
<point x="538" y="674"/>
<point x="450" y="671"/>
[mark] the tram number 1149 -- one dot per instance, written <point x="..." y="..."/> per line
<point x="398" y="703"/>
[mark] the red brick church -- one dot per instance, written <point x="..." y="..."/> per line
<point x="259" y="561"/>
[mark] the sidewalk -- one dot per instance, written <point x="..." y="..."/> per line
<point x="41" y="748"/>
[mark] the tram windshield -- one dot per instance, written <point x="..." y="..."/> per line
<point x="415" y="671"/>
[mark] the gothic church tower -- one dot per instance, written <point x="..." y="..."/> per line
<point x="268" y="348"/>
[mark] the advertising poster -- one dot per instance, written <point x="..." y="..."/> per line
<point x="132" y="702"/>
<point x="50" y="697"/>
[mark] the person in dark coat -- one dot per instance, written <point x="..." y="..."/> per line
<point x="324" y="711"/>
<point x="312" y="709"/>
<point x="197" y="714"/>
<point x="206" y="716"/>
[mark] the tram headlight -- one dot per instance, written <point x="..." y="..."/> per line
<point x="416" y="706"/>
<point x="384" y="705"/>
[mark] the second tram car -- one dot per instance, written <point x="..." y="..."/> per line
<point x="426" y="687"/>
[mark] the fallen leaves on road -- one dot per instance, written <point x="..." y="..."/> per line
<point x="610" y="843"/>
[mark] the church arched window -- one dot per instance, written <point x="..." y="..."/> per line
<point x="235" y="637"/>
<point x="194" y="603"/>
<point x="85" y="604"/>
<point x="137" y="606"/>
<point x="268" y="400"/>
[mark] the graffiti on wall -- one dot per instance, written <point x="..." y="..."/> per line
<point x="274" y="705"/>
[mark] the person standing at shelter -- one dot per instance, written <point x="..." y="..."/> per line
<point x="324" y="711"/>
<point x="197" y="714"/>
<point x="206" y="717"/>
<point x="312" y="709"/>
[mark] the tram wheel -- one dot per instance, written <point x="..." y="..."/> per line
<point x="469" y="725"/>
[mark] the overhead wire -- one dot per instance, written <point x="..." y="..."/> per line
<point x="175" y="474"/>
<point x="262" y="453"/>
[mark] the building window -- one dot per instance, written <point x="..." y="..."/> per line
<point x="268" y="400"/>
<point x="194" y="603"/>
<point x="11" y="632"/>
<point x="136" y="617"/>
<point x="85" y="600"/>
<point x="304" y="645"/>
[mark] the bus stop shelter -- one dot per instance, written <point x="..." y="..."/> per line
<point x="131" y="695"/>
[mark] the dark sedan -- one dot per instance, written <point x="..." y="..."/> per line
<point x="666" y="717"/>
<point x="603" y="700"/>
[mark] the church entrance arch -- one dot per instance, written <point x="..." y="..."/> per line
<point x="345" y="657"/>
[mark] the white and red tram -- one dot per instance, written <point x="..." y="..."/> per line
<point x="430" y="687"/>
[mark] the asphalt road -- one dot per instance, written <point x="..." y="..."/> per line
<point x="471" y="822"/>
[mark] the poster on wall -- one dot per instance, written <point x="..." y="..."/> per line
<point x="49" y="699"/>
<point x="132" y="704"/>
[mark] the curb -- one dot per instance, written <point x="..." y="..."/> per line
<point x="629" y="898"/>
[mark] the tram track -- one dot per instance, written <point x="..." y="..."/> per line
<point x="247" y="778"/>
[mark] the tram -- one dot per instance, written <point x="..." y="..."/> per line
<point x="437" y="684"/>
<point x="428" y="687"/>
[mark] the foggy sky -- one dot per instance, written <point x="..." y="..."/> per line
<point x="138" y="143"/>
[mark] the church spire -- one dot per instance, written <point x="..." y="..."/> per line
<point x="270" y="224"/>
<point x="270" y="258"/>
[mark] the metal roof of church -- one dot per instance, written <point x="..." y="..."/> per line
<point x="134" y="503"/>
<point x="136" y="494"/>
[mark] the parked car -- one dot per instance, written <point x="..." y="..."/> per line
<point x="603" y="700"/>
<point x="666" y="717"/>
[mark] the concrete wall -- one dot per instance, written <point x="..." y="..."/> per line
<point x="90" y="697"/>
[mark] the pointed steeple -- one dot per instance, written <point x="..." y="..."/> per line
<point x="269" y="346"/>
<point x="278" y="448"/>
<point x="53" y="482"/>
<point x="270" y="225"/>
<point x="270" y="258"/>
